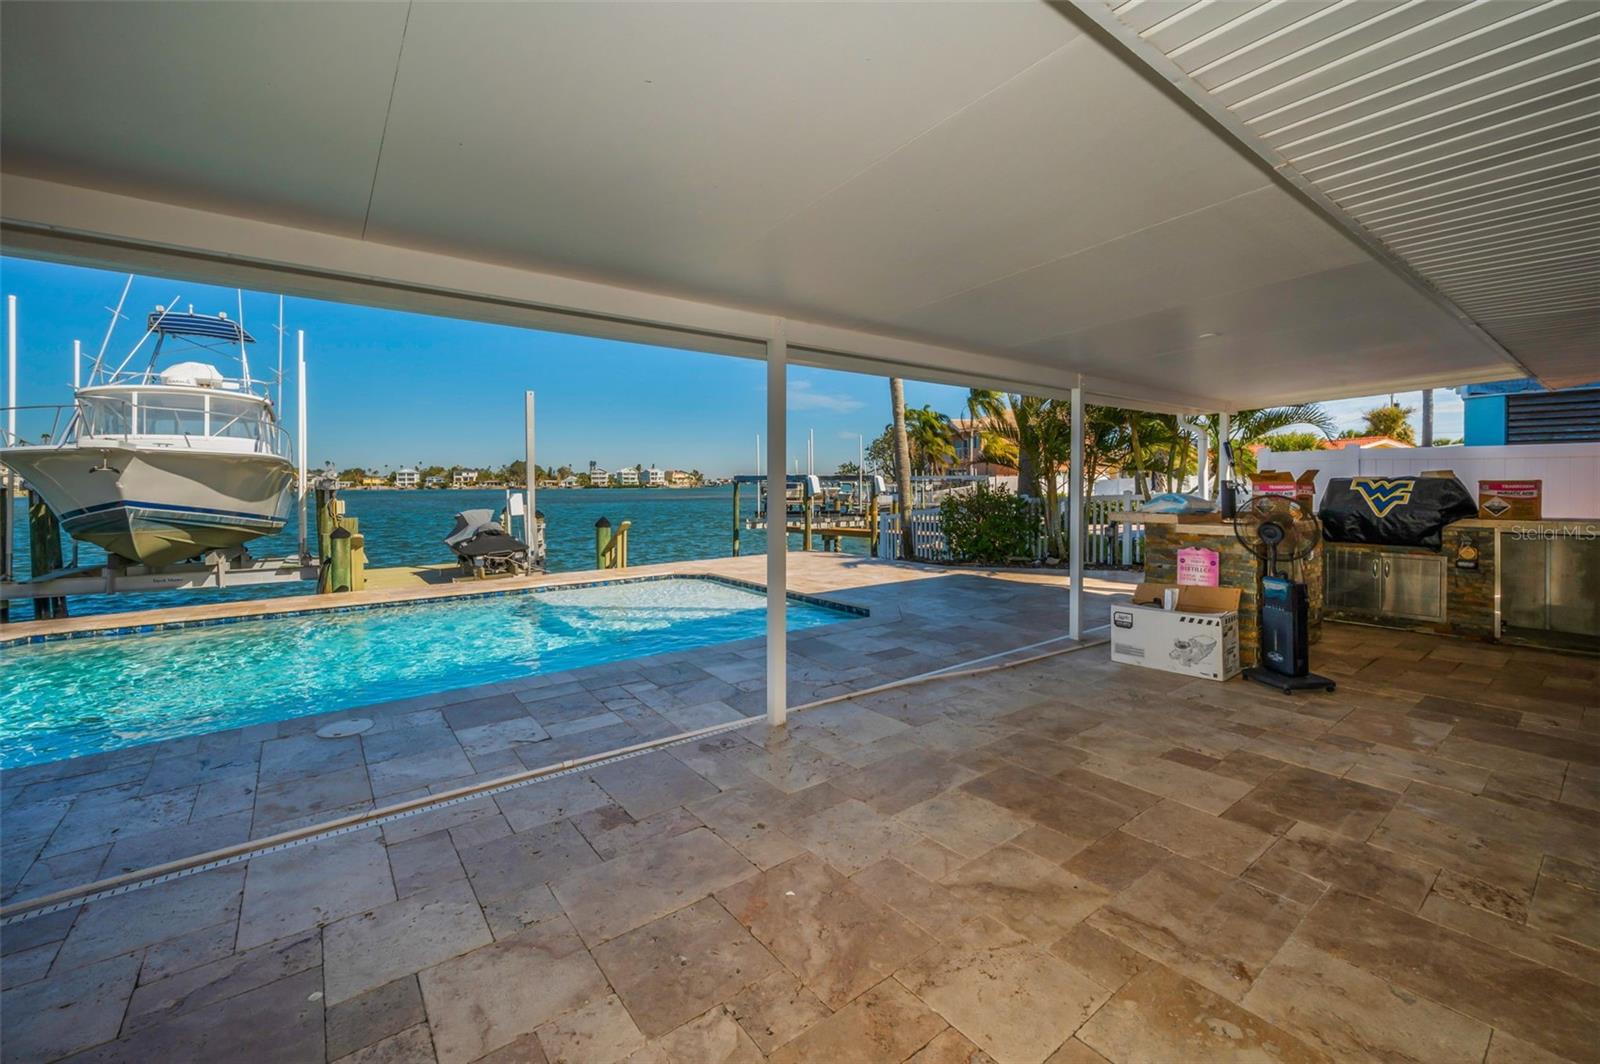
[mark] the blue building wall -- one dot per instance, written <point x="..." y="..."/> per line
<point x="1484" y="409"/>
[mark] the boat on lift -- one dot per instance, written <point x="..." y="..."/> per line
<point x="157" y="465"/>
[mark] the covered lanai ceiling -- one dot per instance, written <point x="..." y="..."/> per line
<point x="1000" y="192"/>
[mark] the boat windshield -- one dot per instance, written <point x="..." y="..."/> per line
<point x="164" y="412"/>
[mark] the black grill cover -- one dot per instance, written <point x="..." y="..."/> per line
<point x="1401" y="511"/>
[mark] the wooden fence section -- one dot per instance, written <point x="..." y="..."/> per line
<point x="1113" y="532"/>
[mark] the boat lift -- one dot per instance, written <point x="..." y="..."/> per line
<point x="49" y="590"/>
<point x="829" y="508"/>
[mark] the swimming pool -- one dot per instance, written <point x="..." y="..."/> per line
<point x="80" y="696"/>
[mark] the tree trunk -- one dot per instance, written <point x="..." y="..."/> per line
<point x="1427" y="417"/>
<point x="1139" y="483"/>
<point x="902" y="466"/>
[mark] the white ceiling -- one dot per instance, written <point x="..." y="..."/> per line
<point x="992" y="178"/>
<point x="1463" y="136"/>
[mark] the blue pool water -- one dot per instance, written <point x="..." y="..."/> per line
<point x="74" y="697"/>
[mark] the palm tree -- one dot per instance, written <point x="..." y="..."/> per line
<point x="929" y="435"/>
<point x="902" y="466"/>
<point x="1254" y="426"/>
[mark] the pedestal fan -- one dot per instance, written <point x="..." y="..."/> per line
<point x="1272" y="529"/>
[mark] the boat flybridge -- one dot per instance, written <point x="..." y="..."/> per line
<point x="157" y="465"/>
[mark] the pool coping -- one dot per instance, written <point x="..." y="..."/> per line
<point x="115" y="631"/>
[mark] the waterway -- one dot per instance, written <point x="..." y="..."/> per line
<point x="408" y="528"/>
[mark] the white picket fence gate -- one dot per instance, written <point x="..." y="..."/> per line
<point x="1113" y="534"/>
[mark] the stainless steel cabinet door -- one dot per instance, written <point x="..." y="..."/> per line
<point x="1354" y="577"/>
<point x="1413" y="586"/>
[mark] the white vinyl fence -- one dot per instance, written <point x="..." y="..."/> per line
<point x="1113" y="532"/>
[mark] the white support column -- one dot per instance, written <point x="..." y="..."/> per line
<point x="530" y="522"/>
<point x="1075" y="520"/>
<point x="300" y="435"/>
<point x="1224" y="467"/>
<point x="777" y="528"/>
<point x="1202" y="448"/>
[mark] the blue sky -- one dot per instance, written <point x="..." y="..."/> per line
<point x="394" y="389"/>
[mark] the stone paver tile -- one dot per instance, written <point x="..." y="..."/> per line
<point x="932" y="907"/>
<point x="746" y="819"/>
<point x="675" y="968"/>
<point x="132" y="853"/>
<point x="280" y="1023"/>
<point x="1566" y="909"/>
<point x="1022" y="890"/>
<point x="964" y="823"/>
<point x="775" y="1009"/>
<point x="1339" y="805"/>
<point x="526" y="1050"/>
<point x="1069" y="811"/>
<point x="652" y="784"/>
<point x="188" y="950"/>
<point x="488" y="998"/>
<point x="467" y="814"/>
<point x="423" y="863"/>
<point x="373" y="1016"/>
<point x="300" y="888"/>
<point x="1390" y="729"/>
<point x="1425" y="841"/>
<point x="26" y="966"/>
<point x="414" y="1045"/>
<point x="145" y="917"/>
<point x="1528" y="1000"/>
<point x="648" y="882"/>
<point x="1162" y="1016"/>
<point x="885" y="1023"/>
<point x="225" y="978"/>
<point x="545" y="801"/>
<point x="1504" y="1049"/>
<point x="1049" y="844"/>
<point x="950" y="1047"/>
<point x="370" y="949"/>
<point x="1073" y="1051"/>
<point x="1017" y="1002"/>
<point x="850" y="835"/>
<point x="1545" y="947"/>
<point x="1467" y="890"/>
<point x="1225" y="845"/>
<point x="94" y="821"/>
<point x="508" y="915"/>
<point x="73" y="1010"/>
<point x="597" y="1032"/>
<point x="823" y="928"/>
<point x="1099" y="956"/>
<point x="1202" y="789"/>
<point x="1330" y="860"/>
<point x="308" y="800"/>
<point x="611" y="830"/>
<point x="714" y="1038"/>
<point x="500" y="735"/>
<point x="928" y="859"/>
<point x="418" y="770"/>
<point x="1354" y="1015"/>
<point x="899" y="782"/>
<point x="1208" y="926"/>
<point x="515" y="863"/>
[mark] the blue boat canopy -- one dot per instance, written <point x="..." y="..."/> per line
<point x="203" y="326"/>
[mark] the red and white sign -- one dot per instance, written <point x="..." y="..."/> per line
<point x="1510" y="489"/>
<point x="1198" y="567"/>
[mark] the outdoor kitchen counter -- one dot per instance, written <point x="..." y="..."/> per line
<point x="1166" y="534"/>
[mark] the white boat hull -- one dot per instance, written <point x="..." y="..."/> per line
<point x="157" y="505"/>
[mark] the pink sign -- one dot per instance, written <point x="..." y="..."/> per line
<point x="1198" y="567"/>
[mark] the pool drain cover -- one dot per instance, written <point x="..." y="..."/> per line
<point x="343" y="729"/>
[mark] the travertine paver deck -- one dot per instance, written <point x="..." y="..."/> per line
<point x="1066" y="861"/>
<point x="70" y="822"/>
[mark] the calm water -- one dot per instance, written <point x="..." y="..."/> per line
<point x="408" y="528"/>
<point x="76" y="697"/>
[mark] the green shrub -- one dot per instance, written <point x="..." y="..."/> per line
<point x="987" y="525"/>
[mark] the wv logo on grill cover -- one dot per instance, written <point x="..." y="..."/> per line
<point x="1382" y="496"/>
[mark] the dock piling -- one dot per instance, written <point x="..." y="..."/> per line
<point x="602" y="542"/>
<point x="736" y="519"/>
<point x="339" y="560"/>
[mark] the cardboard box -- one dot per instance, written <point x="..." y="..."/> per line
<point x="1511" y="500"/>
<point x="1198" y="638"/>
<point x="1302" y="489"/>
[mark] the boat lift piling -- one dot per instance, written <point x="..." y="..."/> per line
<point x="837" y="521"/>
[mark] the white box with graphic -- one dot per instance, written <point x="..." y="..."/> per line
<point x="1199" y="638"/>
